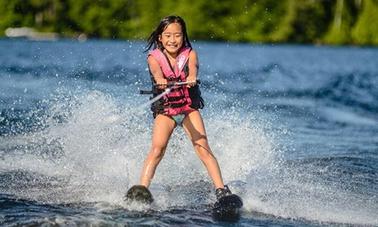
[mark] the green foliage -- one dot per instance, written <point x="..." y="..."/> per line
<point x="340" y="29"/>
<point x="284" y="26"/>
<point x="14" y="13"/>
<point x="300" y="21"/>
<point x="366" y="29"/>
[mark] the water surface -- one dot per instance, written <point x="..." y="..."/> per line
<point x="294" y="129"/>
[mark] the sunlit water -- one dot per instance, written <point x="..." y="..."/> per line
<point x="294" y="128"/>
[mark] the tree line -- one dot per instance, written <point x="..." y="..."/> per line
<point x="286" y="21"/>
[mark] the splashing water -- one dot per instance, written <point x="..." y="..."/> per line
<point x="95" y="157"/>
<point x="89" y="145"/>
<point x="85" y="154"/>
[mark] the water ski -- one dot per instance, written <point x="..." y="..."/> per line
<point x="139" y="193"/>
<point x="227" y="208"/>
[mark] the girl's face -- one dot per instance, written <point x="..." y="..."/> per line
<point x="172" y="38"/>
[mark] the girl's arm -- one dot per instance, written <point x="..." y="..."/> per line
<point x="193" y="68"/>
<point x="156" y="72"/>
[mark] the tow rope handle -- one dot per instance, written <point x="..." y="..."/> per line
<point x="170" y="84"/>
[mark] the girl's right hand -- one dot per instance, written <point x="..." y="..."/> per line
<point x="161" y="83"/>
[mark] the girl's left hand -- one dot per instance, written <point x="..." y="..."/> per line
<point x="192" y="81"/>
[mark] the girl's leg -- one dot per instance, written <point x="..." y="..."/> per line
<point x="195" y="129"/>
<point x="162" y="130"/>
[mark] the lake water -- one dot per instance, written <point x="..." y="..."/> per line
<point x="294" y="128"/>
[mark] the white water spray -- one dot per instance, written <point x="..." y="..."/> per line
<point x="80" y="157"/>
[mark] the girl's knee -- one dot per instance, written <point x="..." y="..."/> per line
<point x="199" y="138"/>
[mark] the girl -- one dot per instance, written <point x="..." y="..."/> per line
<point x="173" y="60"/>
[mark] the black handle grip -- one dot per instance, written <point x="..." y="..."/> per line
<point x="145" y="92"/>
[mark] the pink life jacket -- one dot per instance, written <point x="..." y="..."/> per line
<point x="178" y="100"/>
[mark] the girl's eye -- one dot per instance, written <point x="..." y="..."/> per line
<point x="176" y="35"/>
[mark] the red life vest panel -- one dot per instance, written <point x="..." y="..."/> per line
<point x="177" y="101"/>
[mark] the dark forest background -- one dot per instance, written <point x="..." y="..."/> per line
<point x="267" y="21"/>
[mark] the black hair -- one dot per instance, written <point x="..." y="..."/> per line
<point x="153" y="40"/>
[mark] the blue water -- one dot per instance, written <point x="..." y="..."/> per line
<point x="294" y="128"/>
